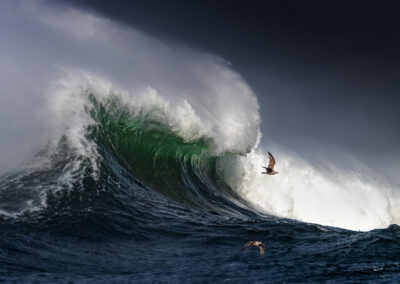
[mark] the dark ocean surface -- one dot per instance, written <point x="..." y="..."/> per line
<point x="149" y="207"/>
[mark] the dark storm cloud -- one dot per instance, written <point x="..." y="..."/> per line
<point x="325" y="72"/>
<point x="235" y="27"/>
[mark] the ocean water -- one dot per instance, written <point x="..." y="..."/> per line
<point x="152" y="207"/>
<point x="148" y="169"/>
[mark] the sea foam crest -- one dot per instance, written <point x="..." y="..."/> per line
<point x="69" y="105"/>
<point x="303" y="192"/>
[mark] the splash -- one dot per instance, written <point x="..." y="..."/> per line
<point x="305" y="193"/>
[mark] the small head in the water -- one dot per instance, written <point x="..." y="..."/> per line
<point x="256" y="244"/>
<point x="270" y="169"/>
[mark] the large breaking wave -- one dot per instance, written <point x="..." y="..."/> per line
<point x="160" y="121"/>
<point x="107" y="135"/>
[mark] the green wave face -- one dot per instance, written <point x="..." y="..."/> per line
<point x="155" y="155"/>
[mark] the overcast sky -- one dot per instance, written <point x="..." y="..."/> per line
<point x="326" y="72"/>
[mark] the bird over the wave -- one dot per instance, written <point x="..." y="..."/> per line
<point x="270" y="169"/>
<point x="258" y="244"/>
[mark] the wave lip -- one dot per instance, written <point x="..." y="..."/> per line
<point x="155" y="154"/>
<point x="110" y="137"/>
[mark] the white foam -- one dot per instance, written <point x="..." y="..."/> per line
<point x="305" y="193"/>
<point x="68" y="103"/>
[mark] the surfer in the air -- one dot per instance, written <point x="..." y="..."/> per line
<point x="270" y="169"/>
